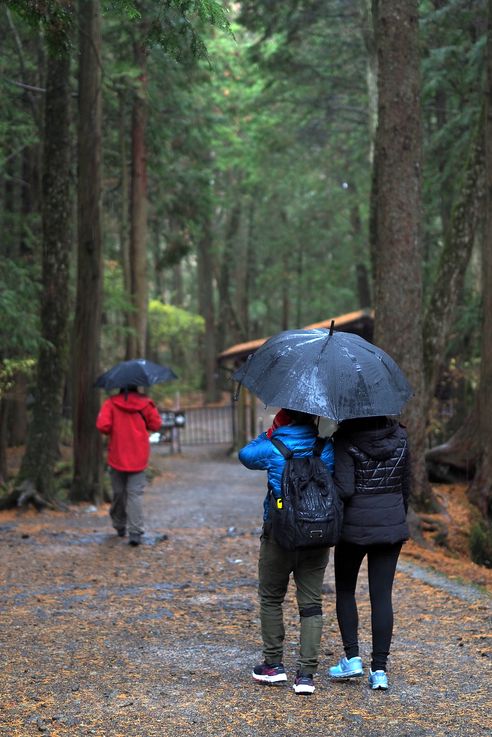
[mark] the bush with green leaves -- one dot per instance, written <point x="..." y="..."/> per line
<point x="481" y="543"/>
<point x="175" y="336"/>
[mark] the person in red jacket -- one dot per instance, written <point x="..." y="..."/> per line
<point x="127" y="418"/>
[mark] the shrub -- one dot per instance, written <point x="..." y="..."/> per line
<point x="481" y="543"/>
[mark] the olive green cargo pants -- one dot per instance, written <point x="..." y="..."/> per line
<point x="274" y="569"/>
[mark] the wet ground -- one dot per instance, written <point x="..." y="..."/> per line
<point x="98" y="638"/>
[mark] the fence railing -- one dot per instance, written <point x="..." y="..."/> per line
<point x="208" y="425"/>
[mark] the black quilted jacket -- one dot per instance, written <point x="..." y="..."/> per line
<point x="372" y="476"/>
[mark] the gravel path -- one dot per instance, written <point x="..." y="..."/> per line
<point x="98" y="638"/>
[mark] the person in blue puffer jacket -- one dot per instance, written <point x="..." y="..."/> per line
<point x="298" y="431"/>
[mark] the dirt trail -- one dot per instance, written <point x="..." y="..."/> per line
<point x="98" y="638"/>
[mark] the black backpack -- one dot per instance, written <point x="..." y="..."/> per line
<point x="309" y="512"/>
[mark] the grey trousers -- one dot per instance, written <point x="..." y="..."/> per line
<point x="274" y="569"/>
<point x="126" y="507"/>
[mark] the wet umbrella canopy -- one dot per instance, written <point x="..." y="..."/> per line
<point x="331" y="374"/>
<point x="137" y="372"/>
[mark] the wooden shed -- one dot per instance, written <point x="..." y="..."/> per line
<point x="246" y="423"/>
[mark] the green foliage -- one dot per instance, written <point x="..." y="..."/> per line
<point x="19" y="309"/>
<point x="175" y="335"/>
<point x="127" y="7"/>
<point x="178" y="26"/>
<point x="481" y="543"/>
<point x="10" y="369"/>
<point x="289" y="128"/>
<point x="172" y="324"/>
<point x="116" y="306"/>
<point x="56" y="18"/>
<point x="453" y="44"/>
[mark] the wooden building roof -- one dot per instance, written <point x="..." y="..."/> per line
<point x="360" y="322"/>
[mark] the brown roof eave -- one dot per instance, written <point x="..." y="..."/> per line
<point x="242" y="350"/>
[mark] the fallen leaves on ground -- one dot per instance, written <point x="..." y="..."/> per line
<point x="102" y="639"/>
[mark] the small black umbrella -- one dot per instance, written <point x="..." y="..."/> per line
<point x="326" y="373"/>
<point x="137" y="372"/>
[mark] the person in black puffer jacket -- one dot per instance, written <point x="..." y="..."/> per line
<point x="372" y="475"/>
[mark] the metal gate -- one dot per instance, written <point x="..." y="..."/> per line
<point x="208" y="426"/>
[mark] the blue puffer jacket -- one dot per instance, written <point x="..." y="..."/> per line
<point x="261" y="454"/>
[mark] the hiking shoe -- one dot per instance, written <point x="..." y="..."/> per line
<point x="134" y="540"/>
<point x="120" y="531"/>
<point x="304" y="683"/>
<point x="351" y="668"/>
<point x="378" y="679"/>
<point x="269" y="673"/>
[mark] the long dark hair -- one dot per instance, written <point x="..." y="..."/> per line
<point x="360" y="424"/>
<point x="301" y="418"/>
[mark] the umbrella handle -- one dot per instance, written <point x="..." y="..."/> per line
<point x="235" y="396"/>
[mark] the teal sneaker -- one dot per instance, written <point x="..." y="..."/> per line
<point x="378" y="679"/>
<point x="351" y="668"/>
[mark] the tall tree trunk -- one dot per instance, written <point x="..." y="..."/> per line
<point x="229" y="329"/>
<point x="368" y="35"/>
<point x="481" y="489"/>
<point x="248" y="269"/>
<point x="368" y="23"/>
<point x="448" y="284"/>
<point x="18" y="416"/>
<point x="87" y="448"/>
<point x="124" y="201"/>
<point x="4" y="411"/>
<point x="10" y="216"/>
<point x="206" y="304"/>
<point x="286" y="278"/>
<point x="178" y="287"/>
<point x="363" y="286"/>
<point x="398" y="282"/>
<point x="42" y="446"/>
<point x="138" y="211"/>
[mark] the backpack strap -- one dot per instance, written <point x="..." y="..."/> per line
<point x="286" y="452"/>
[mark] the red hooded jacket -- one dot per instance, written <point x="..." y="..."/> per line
<point x="127" y="422"/>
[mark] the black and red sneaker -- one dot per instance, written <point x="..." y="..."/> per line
<point x="269" y="673"/>
<point x="304" y="683"/>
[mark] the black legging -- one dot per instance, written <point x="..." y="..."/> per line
<point x="381" y="566"/>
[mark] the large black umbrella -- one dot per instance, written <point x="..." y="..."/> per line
<point x="331" y="374"/>
<point x="137" y="372"/>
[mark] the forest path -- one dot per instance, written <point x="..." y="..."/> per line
<point x="98" y="638"/>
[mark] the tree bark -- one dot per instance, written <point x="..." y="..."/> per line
<point x="448" y="284"/>
<point x="481" y="489"/>
<point x="138" y="211"/>
<point x="10" y="215"/>
<point x="462" y="450"/>
<point x="229" y="329"/>
<point x="4" y="411"/>
<point x="205" y="298"/>
<point x="368" y="29"/>
<point x="124" y="201"/>
<point x="368" y="35"/>
<point x="246" y="274"/>
<point x="42" y="446"/>
<point x="87" y="447"/>
<point x="363" y="286"/>
<point x="398" y="278"/>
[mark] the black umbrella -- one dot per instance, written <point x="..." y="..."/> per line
<point x="331" y="374"/>
<point x="137" y="372"/>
